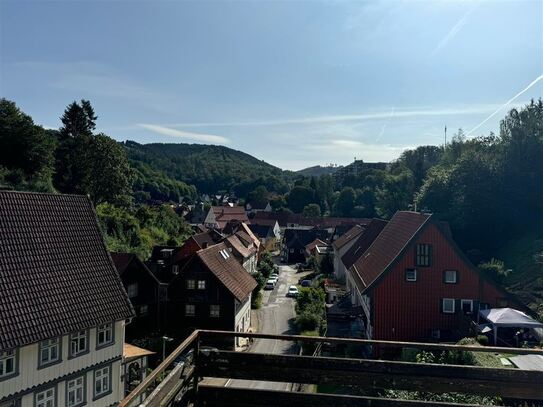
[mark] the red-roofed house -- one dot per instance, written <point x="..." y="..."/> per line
<point x="219" y="216"/>
<point x="414" y="283"/>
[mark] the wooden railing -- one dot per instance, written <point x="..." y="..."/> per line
<point x="522" y="386"/>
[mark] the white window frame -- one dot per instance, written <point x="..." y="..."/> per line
<point x="46" y="348"/>
<point x="214" y="311"/>
<point x="191" y="284"/>
<point x="455" y="276"/>
<point x="8" y="357"/>
<point x="76" y="388"/>
<point x="76" y="339"/>
<point x="411" y="280"/>
<point x="132" y="290"/>
<point x="102" y="382"/>
<point x="201" y="284"/>
<point x="48" y="398"/>
<point x="453" y="305"/>
<point x="466" y="301"/>
<point x="107" y="332"/>
<point x="190" y="307"/>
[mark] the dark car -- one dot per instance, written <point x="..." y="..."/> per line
<point x="306" y="283"/>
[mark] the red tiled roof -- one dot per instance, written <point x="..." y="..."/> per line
<point x="56" y="275"/>
<point x="390" y="243"/>
<point x="315" y="243"/>
<point x="348" y="236"/>
<point x="363" y="242"/>
<point x="228" y="270"/>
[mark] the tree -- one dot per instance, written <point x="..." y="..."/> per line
<point x="311" y="211"/>
<point x="495" y="269"/>
<point x="396" y="194"/>
<point x="345" y="202"/>
<point x="110" y="177"/>
<point x="26" y="150"/>
<point x="299" y="197"/>
<point x="327" y="264"/>
<point x="259" y="195"/>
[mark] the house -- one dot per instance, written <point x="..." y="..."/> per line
<point x="218" y="216"/>
<point x="147" y="295"/>
<point x="213" y="291"/>
<point x="134" y="367"/>
<point x="63" y="307"/>
<point x="267" y="234"/>
<point x="341" y="246"/>
<point x="244" y="232"/>
<point x="311" y="248"/>
<point x="294" y="220"/>
<point x="413" y="283"/>
<point x="253" y="207"/>
<point x="243" y="248"/>
<point x="197" y="242"/>
<point x="295" y="241"/>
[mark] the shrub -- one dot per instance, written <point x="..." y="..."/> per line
<point x="482" y="339"/>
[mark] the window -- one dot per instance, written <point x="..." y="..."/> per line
<point x="104" y="335"/>
<point x="132" y="290"/>
<point x="448" y="305"/>
<point x="467" y="306"/>
<point x="75" y="392"/>
<point x="214" y="311"/>
<point x="175" y="269"/>
<point x="102" y="382"/>
<point x="49" y="352"/>
<point x="450" y="277"/>
<point x="423" y="255"/>
<point x="410" y="275"/>
<point x="78" y="343"/>
<point x="11" y="403"/>
<point x="292" y="250"/>
<point x="8" y="363"/>
<point x="191" y="284"/>
<point x="190" y="310"/>
<point x="201" y="284"/>
<point x="45" y="398"/>
<point x="143" y="310"/>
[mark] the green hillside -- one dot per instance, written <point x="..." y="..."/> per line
<point x="318" y="170"/>
<point x="209" y="168"/>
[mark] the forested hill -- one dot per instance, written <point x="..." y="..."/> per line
<point x="318" y="170"/>
<point x="209" y="168"/>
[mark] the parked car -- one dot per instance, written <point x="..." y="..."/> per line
<point x="270" y="284"/>
<point x="306" y="283"/>
<point x="292" y="291"/>
<point x="274" y="275"/>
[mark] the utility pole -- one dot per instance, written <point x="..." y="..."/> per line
<point x="445" y="135"/>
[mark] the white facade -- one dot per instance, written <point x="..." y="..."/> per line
<point x="361" y="300"/>
<point x="339" y="267"/>
<point x="94" y="376"/>
<point x="242" y="319"/>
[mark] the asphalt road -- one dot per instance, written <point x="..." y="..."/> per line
<point x="275" y="317"/>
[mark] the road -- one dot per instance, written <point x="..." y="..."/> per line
<point x="275" y="317"/>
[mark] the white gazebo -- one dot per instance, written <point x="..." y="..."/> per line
<point x="508" y="318"/>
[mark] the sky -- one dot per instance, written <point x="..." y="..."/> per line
<point x="294" y="83"/>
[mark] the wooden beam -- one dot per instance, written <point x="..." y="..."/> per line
<point x="216" y="396"/>
<point x="374" y="374"/>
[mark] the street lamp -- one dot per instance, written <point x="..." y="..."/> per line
<point x="164" y="340"/>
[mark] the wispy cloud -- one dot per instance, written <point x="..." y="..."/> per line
<point x="526" y="89"/>
<point x="199" y="137"/>
<point x="479" y="109"/>
<point x="342" y="150"/>
<point x="454" y="30"/>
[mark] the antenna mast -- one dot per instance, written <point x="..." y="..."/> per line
<point x="445" y="135"/>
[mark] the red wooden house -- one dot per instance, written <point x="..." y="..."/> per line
<point x="414" y="283"/>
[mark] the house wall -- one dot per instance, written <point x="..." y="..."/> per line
<point x="190" y="247"/>
<point x="339" y="267"/>
<point x="409" y="311"/>
<point x="32" y="379"/>
<point x="214" y="293"/>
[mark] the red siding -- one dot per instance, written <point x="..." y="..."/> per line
<point x="410" y="310"/>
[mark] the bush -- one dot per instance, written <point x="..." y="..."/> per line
<point x="256" y="300"/>
<point x="310" y="310"/>
<point x="482" y="339"/>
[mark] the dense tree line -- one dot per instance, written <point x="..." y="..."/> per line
<point x="75" y="160"/>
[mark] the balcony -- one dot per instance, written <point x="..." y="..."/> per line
<point x="188" y="383"/>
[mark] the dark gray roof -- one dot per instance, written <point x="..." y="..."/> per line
<point x="56" y="275"/>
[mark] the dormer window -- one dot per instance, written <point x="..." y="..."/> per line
<point x="8" y="364"/>
<point x="423" y="253"/>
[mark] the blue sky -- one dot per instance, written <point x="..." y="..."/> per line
<point x="293" y="83"/>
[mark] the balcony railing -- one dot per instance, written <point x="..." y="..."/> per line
<point x="170" y="380"/>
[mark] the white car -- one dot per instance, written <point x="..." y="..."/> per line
<point x="292" y="291"/>
<point x="270" y="284"/>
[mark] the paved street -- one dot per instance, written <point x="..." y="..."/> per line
<point x="274" y="317"/>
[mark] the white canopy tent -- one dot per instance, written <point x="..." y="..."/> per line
<point x="508" y="318"/>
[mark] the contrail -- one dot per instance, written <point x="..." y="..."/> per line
<point x="506" y="104"/>
<point x="385" y="125"/>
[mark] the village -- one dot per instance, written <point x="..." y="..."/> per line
<point x="246" y="270"/>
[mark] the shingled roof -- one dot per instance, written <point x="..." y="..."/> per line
<point x="363" y="242"/>
<point x="56" y="276"/>
<point x="390" y="243"/>
<point x="227" y="269"/>
<point x="348" y="236"/>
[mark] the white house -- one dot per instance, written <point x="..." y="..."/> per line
<point x="341" y="246"/>
<point x="62" y="305"/>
